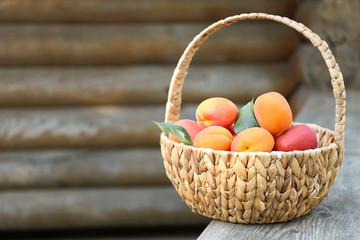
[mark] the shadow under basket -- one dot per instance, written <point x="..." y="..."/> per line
<point x="257" y="187"/>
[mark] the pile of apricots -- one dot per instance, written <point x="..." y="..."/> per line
<point x="216" y="117"/>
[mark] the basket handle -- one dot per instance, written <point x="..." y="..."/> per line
<point x="173" y="104"/>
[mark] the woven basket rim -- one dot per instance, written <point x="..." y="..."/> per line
<point x="333" y="145"/>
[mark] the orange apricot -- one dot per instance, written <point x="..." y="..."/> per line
<point x="190" y="126"/>
<point x="253" y="139"/>
<point x="216" y="111"/>
<point x="273" y="112"/>
<point x="214" y="137"/>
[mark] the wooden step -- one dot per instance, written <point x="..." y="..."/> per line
<point x="105" y="126"/>
<point x="306" y="13"/>
<point x="333" y="23"/>
<point x="316" y="73"/>
<point x="140" y="84"/>
<point x="130" y="11"/>
<point x="94" y="44"/>
<point x="299" y="96"/>
<point x="99" y="207"/>
<point x="356" y="46"/>
<point x="81" y="168"/>
<point x="336" y="25"/>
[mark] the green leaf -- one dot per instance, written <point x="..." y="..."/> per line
<point x="162" y="126"/>
<point x="179" y="132"/>
<point x="245" y="118"/>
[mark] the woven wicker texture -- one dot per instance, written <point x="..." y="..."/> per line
<point x="254" y="187"/>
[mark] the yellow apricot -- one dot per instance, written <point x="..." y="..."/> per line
<point x="214" y="137"/>
<point x="216" y="111"/>
<point x="253" y="139"/>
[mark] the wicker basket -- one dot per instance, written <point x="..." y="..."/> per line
<point x="254" y="187"/>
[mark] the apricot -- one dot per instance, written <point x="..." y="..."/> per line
<point x="253" y="139"/>
<point x="214" y="137"/>
<point x="299" y="137"/>
<point x="216" y="111"/>
<point x="273" y="112"/>
<point x="190" y="126"/>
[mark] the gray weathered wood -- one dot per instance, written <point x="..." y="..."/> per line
<point x="100" y="207"/>
<point x="309" y="66"/>
<point x="335" y="23"/>
<point x="337" y="217"/>
<point x="299" y="96"/>
<point x="312" y="67"/>
<point x="134" y="11"/>
<point x="141" y="84"/>
<point x="356" y="46"/>
<point x="105" y="126"/>
<point x="81" y="167"/>
<point x="93" y="44"/>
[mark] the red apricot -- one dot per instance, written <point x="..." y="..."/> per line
<point x="299" y="137"/>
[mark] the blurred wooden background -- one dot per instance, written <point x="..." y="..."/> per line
<point x="81" y="80"/>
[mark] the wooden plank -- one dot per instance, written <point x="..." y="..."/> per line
<point x="306" y="12"/>
<point x="356" y="45"/>
<point x="94" y="44"/>
<point x="81" y="167"/>
<point x="310" y="67"/>
<point x="299" y="97"/>
<point x="300" y="60"/>
<point x="130" y="11"/>
<point x="98" y="207"/>
<point x="336" y="26"/>
<point x="141" y="84"/>
<point x="335" y="217"/>
<point x="300" y="69"/>
<point x="106" y="126"/>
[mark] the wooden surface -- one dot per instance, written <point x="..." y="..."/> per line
<point x="96" y="44"/>
<point x="298" y="97"/>
<point x="336" y="23"/>
<point x="139" y="84"/>
<point x="90" y="207"/>
<point x="104" y="126"/>
<point x="128" y="11"/>
<point x="356" y="45"/>
<point x="81" y="168"/>
<point x="337" y="217"/>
